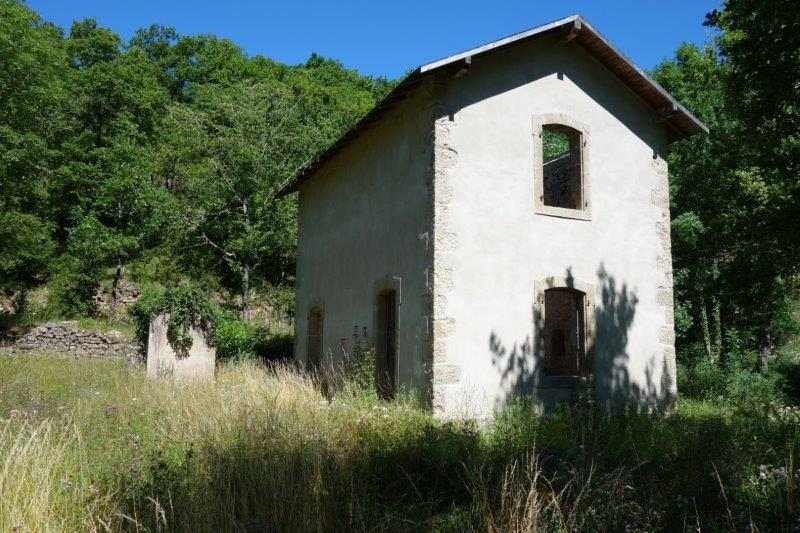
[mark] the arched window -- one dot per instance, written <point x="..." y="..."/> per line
<point x="561" y="177"/>
<point x="564" y="332"/>
<point x="315" y="332"/>
<point x="562" y="172"/>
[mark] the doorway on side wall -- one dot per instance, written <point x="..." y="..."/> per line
<point x="314" y="347"/>
<point x="386" y="345"/>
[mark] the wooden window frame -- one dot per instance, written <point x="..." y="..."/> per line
<point x="578" y="366"/>
<point x="560" y="119"/>
<point x="589" y="328"/>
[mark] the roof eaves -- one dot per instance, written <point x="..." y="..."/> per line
<point x="577" y="22"/>
<point x="676" y="105"/>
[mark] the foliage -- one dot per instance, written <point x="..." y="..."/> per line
<point x="163" y="151"/>
<point x="236" y="338"/>
<point x="25" y="250"/>
<point x="554" y="143"/>
<point x="34" y="75"/>
<point x="187" y="307"/>
<point x="149" y="305"/>
<point x="735" y="192"/>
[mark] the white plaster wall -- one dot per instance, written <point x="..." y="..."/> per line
<point x="365" y="222"/>
<point x="497" y="246"/>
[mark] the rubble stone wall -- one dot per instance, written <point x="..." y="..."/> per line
<point x="66" y="337"/>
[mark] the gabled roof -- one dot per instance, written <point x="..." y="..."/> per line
<point x="680" y="121"/>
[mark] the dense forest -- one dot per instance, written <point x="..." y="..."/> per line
<point x="157" y="159"/>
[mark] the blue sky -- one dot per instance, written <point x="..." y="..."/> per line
<point x="388" y="38"/>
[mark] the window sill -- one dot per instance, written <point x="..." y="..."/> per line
<point x="563" y="212"/>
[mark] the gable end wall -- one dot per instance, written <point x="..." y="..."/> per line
<point x="492" y="246"/>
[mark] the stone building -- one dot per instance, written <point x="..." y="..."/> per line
<point x="499" y="225"/>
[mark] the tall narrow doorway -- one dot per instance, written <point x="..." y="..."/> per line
<point x="386" y="345"/>
<point x="315" y="327"/>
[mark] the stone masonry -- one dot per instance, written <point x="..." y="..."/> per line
<point x="66" y="337"/>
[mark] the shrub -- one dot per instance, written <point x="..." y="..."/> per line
<point x="236" y="338"/>
<point x="753" y="392"/>
<point x="277" y="347"/>
<point x="705" y="380"/>
<point x="786" y="370"/>
<point x="149" y="304"/>
<point x="188" y="305"/>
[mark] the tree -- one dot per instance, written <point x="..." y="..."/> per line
<point x="105" y="184"/>
<point x="33" y="75"/>
<point x="760" y="43"/>
<point x="165" y="150"/>
<point x="232" y="153"/>
<point x="735" y="192"/>
<point x="699" y="210"/>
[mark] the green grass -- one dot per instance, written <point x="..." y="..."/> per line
<point x="88" y="445"/>
<point x="105" y="325"/>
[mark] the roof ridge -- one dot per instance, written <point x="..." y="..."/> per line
<point x="681" y="121"/>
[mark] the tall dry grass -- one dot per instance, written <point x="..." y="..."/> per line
<point x="40" y="491"/>
<point x="98" y="448"/>
<point x="93" y="446"/>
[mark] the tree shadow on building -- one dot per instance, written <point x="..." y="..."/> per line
<point x="614" y="387"/>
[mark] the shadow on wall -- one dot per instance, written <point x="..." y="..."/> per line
<point x="610" y="362"/>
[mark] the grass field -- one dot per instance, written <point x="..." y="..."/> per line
<point x="88" y="445"/>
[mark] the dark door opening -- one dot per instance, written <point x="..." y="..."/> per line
<point x="386" y="345"/>
<point x="314" y="358"/>
<point x="565" y="332"/>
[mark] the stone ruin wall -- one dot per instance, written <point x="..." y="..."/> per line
<point x="163" y="362"/>
<point x="67" y="338"/>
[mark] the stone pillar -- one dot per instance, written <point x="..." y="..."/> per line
<point x="446" y="379"/>
<point x="664" y="288"/>
<point x="163" y="361"/>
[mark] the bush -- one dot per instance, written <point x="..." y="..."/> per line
<point x="236" y="338"/>
<point x="149" y="304"/>
<point x="786" y="370"/>
<point x="705" y="380"/>
<point x="753" y="392"/>
<point x="278" y="347"/>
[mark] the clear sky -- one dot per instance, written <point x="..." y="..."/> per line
<point x="389" y="38"/>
